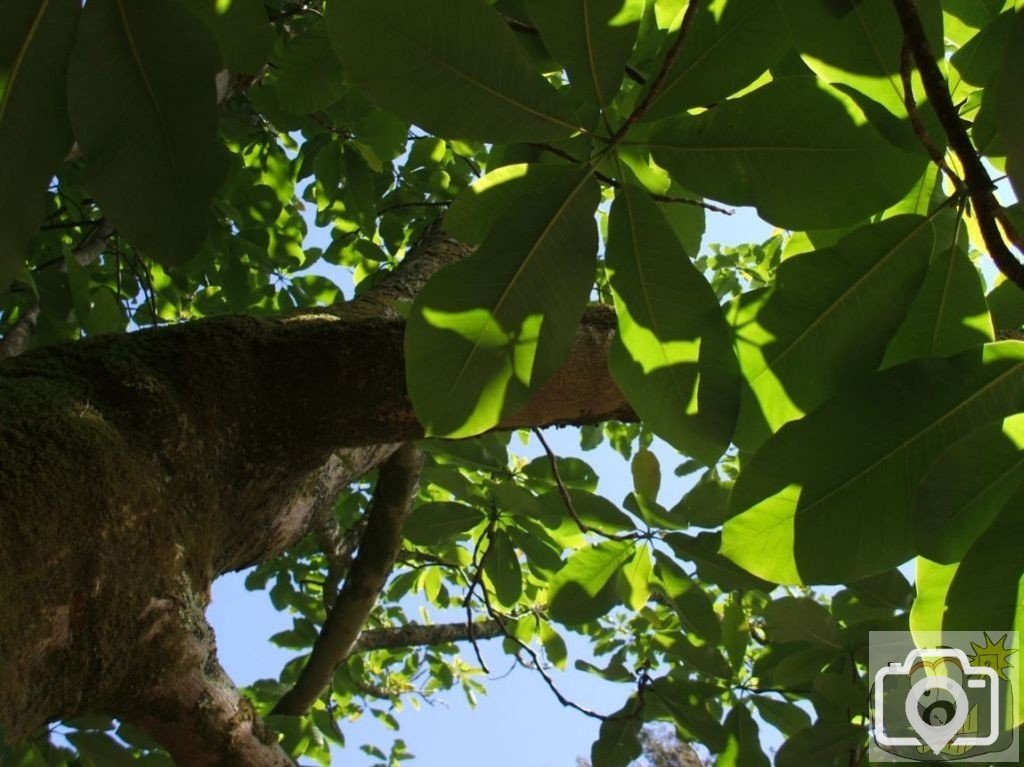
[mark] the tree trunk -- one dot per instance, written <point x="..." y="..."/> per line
<point x="134" y="469"/>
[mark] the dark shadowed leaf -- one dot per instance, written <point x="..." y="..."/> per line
<point x="796" y="149"/>
<point x="966" y="488"/>
<point x="826" y="322"/>
<point x="823" y="745"/>
<point x="828" y="498"/>
<point x="144" y="110"/>
<point x="35" y="43"/>
<point x="742" y="744"/>
<point x="591" y="38"/>
<point x="501" y="566"/>
<point x="241" y="29"/>
<point x="420" y="59"/>
<point x="433" y="523"/>
<point x="729" y="45"/>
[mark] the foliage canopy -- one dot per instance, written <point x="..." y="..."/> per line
<point x="850" y="390"/>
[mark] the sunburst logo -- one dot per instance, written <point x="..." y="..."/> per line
<point x="994" y="655"/>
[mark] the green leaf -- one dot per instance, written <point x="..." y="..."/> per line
<point x="712" y="567"/>
<point x="592" y="38"/>
<point x="575" y="473"/>
<point x="646" y="473"/>
<point x="798" y="150"/>
<point x="100" y="750"/>
<point x="823" y="745"/>
<point x="487" y="331"/>
<point x="858" y="43"/>
<point x="801" y="619"/>
<point x="501" y="566"/>
<point x="743" y="744"/>
<point x="687" y="703"/>
<point x="826" y="322"/>
<point x="433" y="523"/>
<point x="828" y="498"/>
<point x="672" y="357"/>
<point x="241" y="28"/>
<point x="481" y="204"/>
<point x="986" y="586"/>
<point x="1006" y="304"/>
<point x="636" y="577"/>
<point x="931" y="581"/>
<point x="618" y="740"/>
<point x="35" y="43"/>
<point x="593" y="510"/>
<point x="691" y="603"/>
<point x="949" y="314"/>
<point x="706" y="504"/>
<point x="730" y="43"/>
<point x="784" y="716"/>
<point x="1009" y="107"/>
<point x="144" y="110"/>
<point x="307" y="77"/>
<point x="966" y="488"/>
<point x="419" y="60"/>
<point x="575" y="591"/>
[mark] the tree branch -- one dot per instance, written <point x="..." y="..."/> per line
<point x="416" y="635"/>
<point x="396" y="487"/>
<point x="17" y="338"/>
<point x="979" y="185"/>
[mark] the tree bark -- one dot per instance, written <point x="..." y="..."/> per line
<point x="136" y="468"/>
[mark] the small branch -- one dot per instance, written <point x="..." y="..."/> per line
<point x="396" y="487"/>
<point x="339" y="550"/>
<point x="416" y="635"/>
<point x="937" y="155"/>
<point x="980" y="188"/>
<point x="17" y="338"/>
<point x="424" y="204"/>
<point x="659" y="81"/>
<point x="93" y="244"/>
<point x="567" y="498"/>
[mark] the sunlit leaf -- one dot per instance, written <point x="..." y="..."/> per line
<point x="486" y="332"/>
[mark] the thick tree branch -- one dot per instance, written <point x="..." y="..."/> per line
<point x="396" y="487"/>
<point x="17" y="338"/>
<point x="980" y="188"/>
<point x="416" y="635"/>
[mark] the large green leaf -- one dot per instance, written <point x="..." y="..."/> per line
<point x="826" y="322"/>
<point x="691" y="602"/>
<point x="576" y="592"/>
<point x="501" y="566"/>
<point x="948" y="315"/>
<point x="672" y="357"/>
<point x="241" y="28"/>
<point x="35" y="41"/>
<point x="487" y="331"/>
<point x="828" y="498"/>
<point x="433" y="523"/>
<point x="965" y="489"/>
<point x="743" y="744"/>
<point x="485" y="201"/>
<point x="858" y="43"/>
<point x="730" y="43"/>
<point x="451" y="66"/>
<point x="618" y="740"/>
<point x="1009" y="107"/>
<point x="306" y="76"/>
<point x="931" y="584"/>
<point x="144" y="110"/>
<point x="985" y="590"/>
<point x="592" y="38"/>
<point x="798" y="150"/>
<point x="823" y="745"/>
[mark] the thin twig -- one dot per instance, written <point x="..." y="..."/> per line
<point x="659" y="80"/>
<point x="570" y="506"/>
<point x="980" y="188"/>
<point x="937" y="155"/>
